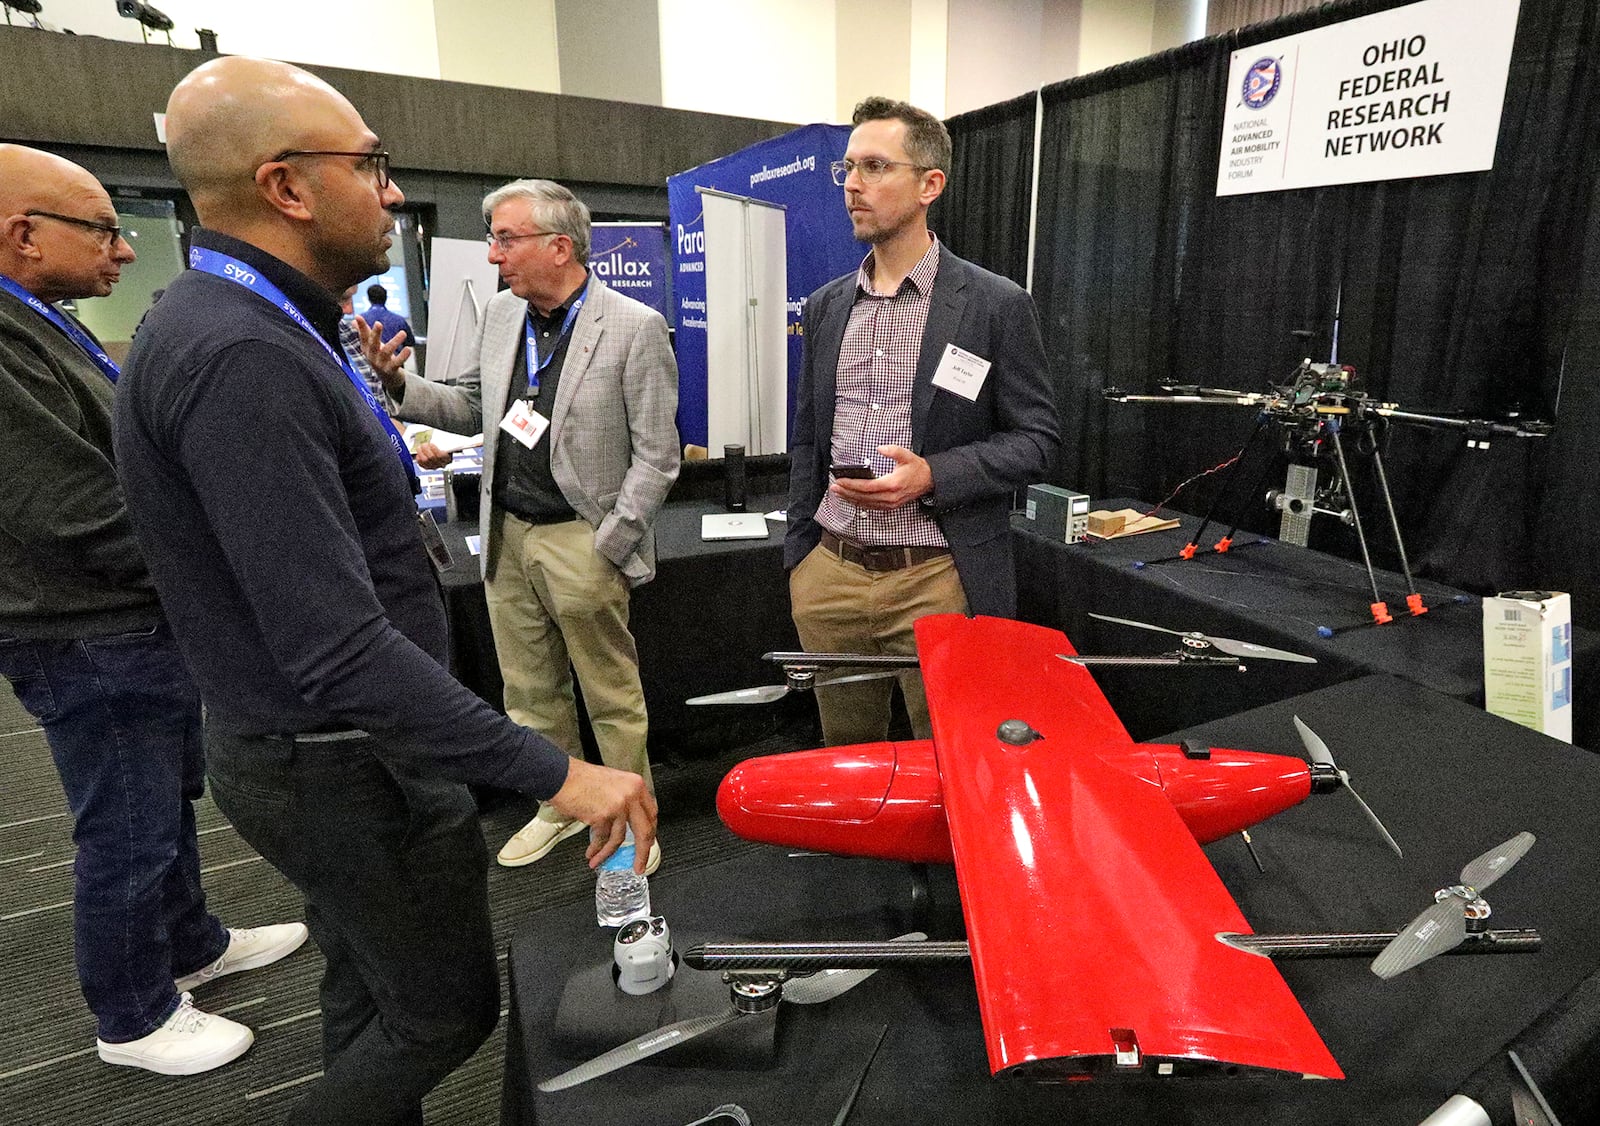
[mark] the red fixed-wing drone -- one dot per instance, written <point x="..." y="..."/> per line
<point x="1058" y="823"/>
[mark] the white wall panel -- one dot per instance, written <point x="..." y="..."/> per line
<point x="386" y="36"/>
<point x="773" y="59"/>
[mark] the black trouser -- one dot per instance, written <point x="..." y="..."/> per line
<point x="394" y="872"/>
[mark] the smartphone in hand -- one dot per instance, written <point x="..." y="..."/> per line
<point x="858" y="472"/>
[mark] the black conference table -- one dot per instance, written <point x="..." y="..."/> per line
<point x="1450" y="781"/>
<point x="1266" y="592"/>
<point x="715" y="607"/>
<point x="701" y="624"/>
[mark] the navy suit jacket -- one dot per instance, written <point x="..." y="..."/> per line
<point x="979" y="451"/>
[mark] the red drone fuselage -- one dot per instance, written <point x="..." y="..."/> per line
<point x="1091" y="912"/>
<point x="885" y="800"/>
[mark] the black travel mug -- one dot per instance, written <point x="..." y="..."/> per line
<point x="733" y="478"/>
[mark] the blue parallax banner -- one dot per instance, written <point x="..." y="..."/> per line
<point x="791" y="170"/>
<point x="631" y="258"/>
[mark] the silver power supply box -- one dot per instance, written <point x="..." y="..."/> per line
<point x="1058" y="514"/>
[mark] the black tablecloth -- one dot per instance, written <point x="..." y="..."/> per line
<point x="1262" y="591"/>
<point x="701" y="624"/>
<point x="1449" y="780"/>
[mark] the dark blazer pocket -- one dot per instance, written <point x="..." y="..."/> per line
<point x="977" y="523"/>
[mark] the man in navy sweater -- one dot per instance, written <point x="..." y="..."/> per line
<point x="275" y="503"/>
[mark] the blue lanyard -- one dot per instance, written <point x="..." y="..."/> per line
<point x="223" y="266"/>
<point x="536" y="365"/>
<point x="65" y="324"/>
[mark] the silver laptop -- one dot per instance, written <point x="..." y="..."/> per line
<point x="733" y="526"/>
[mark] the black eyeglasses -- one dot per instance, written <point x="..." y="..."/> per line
<point x="110" y="230"/>
<point x="504" y="241"/>
<point x="373" y="161"/>
<point x="870" y="170"/>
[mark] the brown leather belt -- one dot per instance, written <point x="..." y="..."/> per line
<point x="880" y="558"/>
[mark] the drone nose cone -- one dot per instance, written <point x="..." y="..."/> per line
<point x="877" y="799"/>
<point x="825" y="785"/>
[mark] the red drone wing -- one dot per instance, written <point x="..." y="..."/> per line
<point x="1091" y="911"/>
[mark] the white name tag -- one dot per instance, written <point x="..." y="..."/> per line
<point x="961" y="372"/>
<point x="524" y="423"/>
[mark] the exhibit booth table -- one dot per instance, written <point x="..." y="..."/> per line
<point x="701" y="624"/>
<point x="1266" y="592"/>
<point x="1450" y="782"/>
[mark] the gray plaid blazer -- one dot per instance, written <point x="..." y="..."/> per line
<point x="613" y="439"/>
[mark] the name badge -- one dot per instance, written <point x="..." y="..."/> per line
<point x="961" y="372"/>
<point x="524" y="423"/>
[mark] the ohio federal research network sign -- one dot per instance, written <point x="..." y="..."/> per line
<point x="1414" y="91"/>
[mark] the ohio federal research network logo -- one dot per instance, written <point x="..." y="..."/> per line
<point x="1261" y="82"/>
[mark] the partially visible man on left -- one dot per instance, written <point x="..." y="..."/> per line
<point x="84" y="644"/>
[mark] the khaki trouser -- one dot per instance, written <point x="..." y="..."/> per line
<point x="842" y="607"/>
<point x="558" y="606"/>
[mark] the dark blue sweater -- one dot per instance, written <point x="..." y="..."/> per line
<point x="280" y="529"/>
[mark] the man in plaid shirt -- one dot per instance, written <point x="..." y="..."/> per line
<point x="929" y="372"/>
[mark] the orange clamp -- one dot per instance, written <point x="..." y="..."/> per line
<point x="1223" y="545"/>
<point x="1380" y="613"/>
<point x="1187" y="552"/>
<point x="1414" y="604"/>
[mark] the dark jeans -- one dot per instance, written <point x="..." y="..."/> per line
<point x="394" y="872"/>
<point x="123" y="722"/>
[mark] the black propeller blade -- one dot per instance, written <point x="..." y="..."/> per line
<point x="1318" y="750"/>
<point x="824" y="985"/>
<point x="1443" y="926"/>
<point x="1231" y="646"/>
<point x="640" y="1048"/>
<point x="767" y="693"/>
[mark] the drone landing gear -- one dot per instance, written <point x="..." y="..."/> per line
<point x="921" y="897"/>
<point x="1380" y="609"/>
<point x="1225" y="544"/>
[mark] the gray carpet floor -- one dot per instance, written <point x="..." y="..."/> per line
<point x="49" y="1073"/>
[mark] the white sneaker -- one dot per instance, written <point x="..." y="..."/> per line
<point x="535" y="840"/>
<point x="188" y="1043"/>
<point x="249" y="948"/>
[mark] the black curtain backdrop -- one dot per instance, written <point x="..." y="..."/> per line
<point x="1456" y="293"/>
<point x="1226" y="15"/>
<point x="984" y="212"/>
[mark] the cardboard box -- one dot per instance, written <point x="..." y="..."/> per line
<point x="1104" y="523"/>
<point x="1527" y="660"/>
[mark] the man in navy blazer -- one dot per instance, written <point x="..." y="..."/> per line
<point x="924" y="401"/>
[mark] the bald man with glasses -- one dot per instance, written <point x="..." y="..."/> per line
<point x="85" y="645"/>
<point x="275" y="502"/>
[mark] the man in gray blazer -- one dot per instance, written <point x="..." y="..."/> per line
<point x="926" y="376"/>
<point x="577" y="389"/>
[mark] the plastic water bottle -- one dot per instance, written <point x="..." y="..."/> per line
<point x="620" y="894"/>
